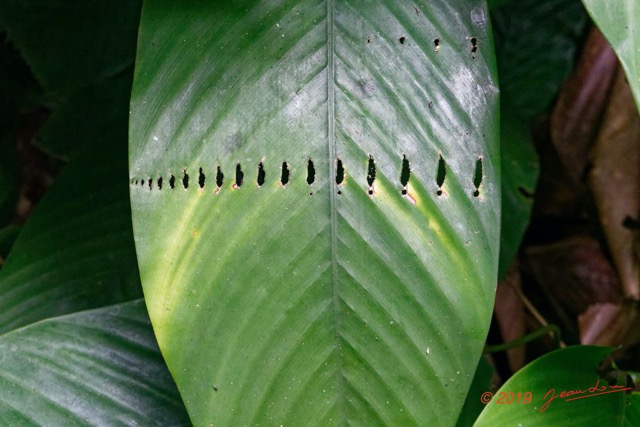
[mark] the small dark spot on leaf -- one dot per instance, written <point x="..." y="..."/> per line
<point x="214" y="388"/>
<point x="402" y="39"/>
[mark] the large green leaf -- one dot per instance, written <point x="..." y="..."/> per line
<point x="82" y="53"/>
<point x="562" y="386"/>
<point x="520" y="169"/>
<point x="328" y="303"/>
<point x="76" y="250"/>
<point x="536" y="44"/>
<point x="619" y="22"/>
<point x="99" y="367"/>
<point x="71" y="44"/>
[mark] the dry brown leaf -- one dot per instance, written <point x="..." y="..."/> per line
<point x="615" y="183"/>
<point x="610" y="325"/>
<point x="509" y="312"/>
<point x="581" y="103"/>
<point x="574" y="273"/>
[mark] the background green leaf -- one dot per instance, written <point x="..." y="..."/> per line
<point x="76" y="251"/>
<point x="536" y="43"/>
<point x="82" y="53"/>
<point x="520" y="169"/>
<point x="284" y="304"/>
<point x="481" y="383"/>
<point x="99" y="367"/>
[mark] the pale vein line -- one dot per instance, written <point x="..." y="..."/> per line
<point x="331" y="139"/>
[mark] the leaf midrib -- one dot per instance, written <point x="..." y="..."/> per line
<point x="331" y="142"/>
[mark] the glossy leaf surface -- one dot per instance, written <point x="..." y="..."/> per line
<point x="316" y="205"/>
<point x="563" y="385"/>
<point x="99" y="367"/>
<point x="76" y="251"/>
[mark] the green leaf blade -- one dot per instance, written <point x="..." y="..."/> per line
<point x="276" y="302"/>
<point x="98" y="367"/>
<point x="572" y="371"/>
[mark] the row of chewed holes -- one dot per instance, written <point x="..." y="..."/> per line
<point x="436" y="43"/>
<point x="285" y="176"/>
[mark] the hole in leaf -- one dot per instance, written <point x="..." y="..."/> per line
<point x="185" y="179"/>
<point x="261" y="174"/>
<point x="405" y="173"/>
<point x="284" y="178"/>
<point x="160" y="183"/>
<point x="441" y="174"/>
<point x="219" y="177"/>
<point x="477" y="177"/>
<point x="142" y="183"/>
<point x="135" y="182"/>
<point x="436" y="43"/>
<point x="371" y="172"/>
<point x="339" y="173"/>
<point x="150" y="182"/>
<point x="172" y="182"/>
<point x="201" y="178"/>
<point x="631" y="223"/>
<point x="239" y="176"/>
<point x="526" y="193"/>
<point x="474" y="44"/>
<point x="311" y="172"/>
<point x="402" y="39"/>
